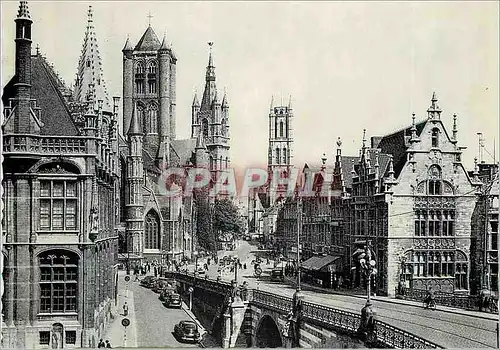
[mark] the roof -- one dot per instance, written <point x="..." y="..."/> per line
<point x="47" y="89"/>
<point x="316" y="263"/>
<point x="149" y="41"/>
<point x="395" y="144"/>
<point x="346" y="169"/>
<point x="183" y="149"/>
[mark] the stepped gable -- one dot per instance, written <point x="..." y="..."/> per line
<point x="396" y="144"/>
<point x="48" y="90"/>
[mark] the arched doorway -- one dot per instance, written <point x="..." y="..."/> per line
<point x="268" y="334"/>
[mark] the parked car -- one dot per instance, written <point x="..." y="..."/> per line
<point x="187" y="331"/>
<point x="166" y="293"/>
<point x="277" y="275"/>
<point x="148" y="281"/>
<point x="159" y="286"/>
<point x="173" y="300"/>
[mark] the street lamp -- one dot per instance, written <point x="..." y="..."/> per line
<point x="367" y="264"/>
<point x="236" y="268"/>
<point x="196" y="263"/>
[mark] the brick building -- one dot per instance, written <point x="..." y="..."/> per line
<point x="60" y="181"/>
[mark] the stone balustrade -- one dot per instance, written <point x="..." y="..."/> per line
<point x="43" y="145"/>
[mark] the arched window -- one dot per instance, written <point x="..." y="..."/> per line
<point x="435" y="137"/>
<point x="435" y="183"/>
<point x="284" y="156"/>
<point x="461" y="267"/>
<point x="278" y="156"/>
<point x="139" y="86"/>
<point x="58" y="281"/>
<point x="204" y="127"/>
<point x="153" y="119"/>
<point x="281" y="129"/>
<point x="152" y="67"/>
<point x="152" y="231"/>
<point x="152" y="86"/>
<point x="139" y="68"/>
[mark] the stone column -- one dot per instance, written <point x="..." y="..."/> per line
<point x="237" y="317"/>
<point x="226" y="330"/>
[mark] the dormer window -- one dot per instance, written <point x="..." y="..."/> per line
<point x="435" y="137"/>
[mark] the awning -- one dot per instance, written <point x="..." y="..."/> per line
<point x="316" y="263"/>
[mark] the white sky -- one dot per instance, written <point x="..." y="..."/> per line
<point x="348" y="66"/>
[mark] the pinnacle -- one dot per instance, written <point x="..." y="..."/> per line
<point x="23" y="10"/>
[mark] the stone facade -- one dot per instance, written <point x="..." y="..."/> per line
<point x="60" y="180"/>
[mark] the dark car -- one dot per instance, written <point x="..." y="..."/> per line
<point x="166" y="293"/>
<point x="148" y="281"/>
<point x="159" y="286"/>
<point x="277" y="275"/>
<point x="173" y="300"/>
<point x="187" y="331"/>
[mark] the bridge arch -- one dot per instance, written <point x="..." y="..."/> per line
<point x="268" y="334"/>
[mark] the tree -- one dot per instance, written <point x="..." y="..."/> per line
<point x="227" y="218"/>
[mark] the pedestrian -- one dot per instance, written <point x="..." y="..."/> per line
<point x="101" y="344"/>
<point x="149" y="267"/>
<point x="125" y="310"/>
<point x="108" y="345"/>
<point x="244" y="266"/>
<point x="136" y="273"/>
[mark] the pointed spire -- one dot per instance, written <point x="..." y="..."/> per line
<point x="455" y="131"/>
<point x="271" y="106"/>
<point x="164" y="44"/>
<point x="225" y="104"/>
<point x="210" y="67"/>
<point x="414" y="137"/>
<point x="215" y="100"/>
<point x="134" y="128"/>
<point x="353" y="170"/>
<point x="128" y="45"/>
<point x="364" y="139"/>
<point x="434" y="112"/>
<point x="196" y="103"/>
<point x="339" y="146"/>
<point x="23" y="12"/>
<point x="290" y="102"/>
<point x="391" y="169"/>
<point x="90" y="72"/>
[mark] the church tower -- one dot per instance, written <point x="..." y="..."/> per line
<point x="149" y="84"/>
<point x="210" y="119"/>
<point x="280" y="145"/>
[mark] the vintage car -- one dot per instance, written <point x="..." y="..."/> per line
<point x="173" y="301"/>
<point x="187" y="331"/>
<point x="277" y="274"/>
<point x="148" y="281"/>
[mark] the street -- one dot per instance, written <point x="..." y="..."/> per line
<point x="154" y="322"/>
<point x="450" y="329"/>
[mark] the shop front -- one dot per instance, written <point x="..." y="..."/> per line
<point x="323" y="271"/>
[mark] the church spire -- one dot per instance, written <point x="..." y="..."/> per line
<point x="455" y="130"/>
<point x="90" y="71"/>
<point x="434" y="112"/>
<point x="23" y="12"/>
<point x="134" y="128"/>
<point x="210" y="87"/>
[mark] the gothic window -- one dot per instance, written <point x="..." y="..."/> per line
<point x="153" y="119"/>
<point x="204" y="127"/>
<point x="275" y="127"/>
<point x="152" y="86"/>
<point x="461" y="271"/>
<point x="429" y="264"/>
<point x="281" y="129"/>
<point x="284" y="156"/>
<point x="58" y="281"/>
<point x="140" y="115"/>
<point x="435" y="137"/>
<point x="58" y="202"/>
<point x="152" y="67"/>
<point x="152" y="231"/>
<point x="139" y="69"/>
<point x="278" y="156"/>
<point x="139" y="86"/>
<point x="435" y="187"/>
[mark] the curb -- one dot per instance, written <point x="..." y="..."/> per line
<point x="485" y="316"/>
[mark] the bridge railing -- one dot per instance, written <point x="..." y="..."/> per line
<point x="340" y="319"/>
<point x="270" y="300"/>
<point x="397" y="338"/>
<point x="467" y="302"/>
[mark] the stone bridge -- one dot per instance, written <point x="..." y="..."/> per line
<point x="255" y="318"/>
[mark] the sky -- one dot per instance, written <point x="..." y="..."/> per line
<point x="347" y="65"/>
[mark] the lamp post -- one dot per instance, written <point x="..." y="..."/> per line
<point x="128" y="252"/>
<point x="195" y="253"/>
<point x="367" y="325"/>
<point x="236" y="268"/>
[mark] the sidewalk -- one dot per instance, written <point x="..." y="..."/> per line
<point x="115" y="332"/>
<point x="477" y="314"/>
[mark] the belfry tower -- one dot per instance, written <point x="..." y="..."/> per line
<point x="211" y="120"/>
<point x="280" y="145"/>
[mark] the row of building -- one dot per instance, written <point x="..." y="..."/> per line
<point x="407" y="195"/>
<point x="80" y="195"/>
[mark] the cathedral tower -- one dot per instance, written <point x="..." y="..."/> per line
<point x="149" y="83"/>
<point x="280" y="144"/>
<point x="211" y="120"/>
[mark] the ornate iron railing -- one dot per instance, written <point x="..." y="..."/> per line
<point x="270" y="300"/>
<point x="326" y="316"/>
<point x="468" y="302"/>
<point x="43" y="144"/>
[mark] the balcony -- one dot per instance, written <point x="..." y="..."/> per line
<point x="41" y="145"/>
